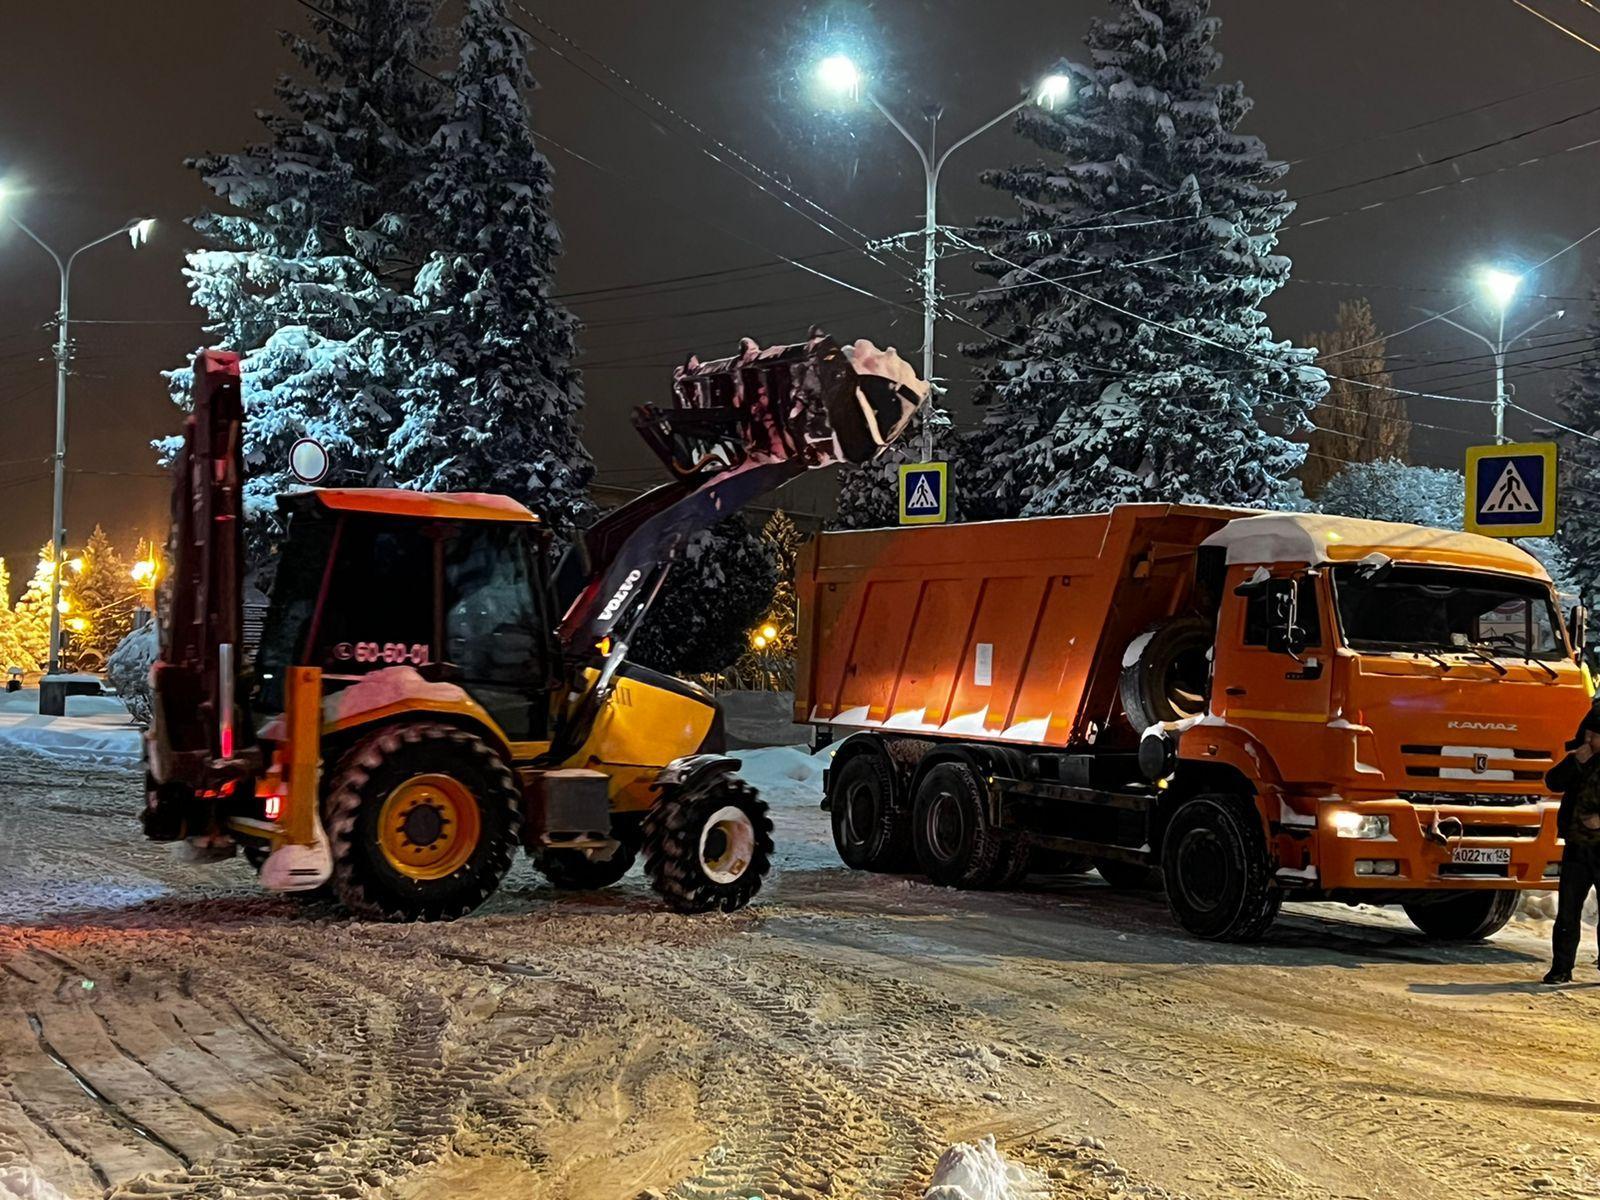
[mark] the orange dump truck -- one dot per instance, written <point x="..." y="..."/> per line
<point x="1258" y="706"/>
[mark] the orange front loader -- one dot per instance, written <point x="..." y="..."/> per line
<point x="1255" y="705"/>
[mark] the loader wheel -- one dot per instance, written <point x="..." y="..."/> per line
<point x="575" y="871"/>
<point x="708" y="844"/>
<point x="1170" y="677"/>
<point x="1464" y="916"/>
<point x="1219" y="879"/>
<point x="871" y="827"/>
<point x="950" y="830"/>
<point x="423" y="821"/>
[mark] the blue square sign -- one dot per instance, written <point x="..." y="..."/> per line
<point x="924" y="493"/>
<point x="1511" y="490"/>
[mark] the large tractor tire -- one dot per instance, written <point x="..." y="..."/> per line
<point x="575" y="871"/>
<point x="1464" y="916"/>
<point x="1168" y="677"/>
<point x="871" y="824"/>
<point x="1217" y="873"/>
<point x="423" y="821"/>
<point x="955" y="843"/>
<point x="708" y="844"/>
<point x="1128" y="876"/>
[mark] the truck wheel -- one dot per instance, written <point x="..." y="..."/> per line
<point x="1128" y="876"/>
<point x="1464" y="916"/>
<point x="871" y="828"/>
<point x="708" y="844"/>
<point x="422" y="821"/>
<point x="956" y="846"/>
<point x="1218" y="878"/>
<point x="575" y="871"/>
<point x="1016" y="861"/>
<point x="1169" y="678"/>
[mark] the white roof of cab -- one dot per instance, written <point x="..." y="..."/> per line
<point x="1318" y="538"/>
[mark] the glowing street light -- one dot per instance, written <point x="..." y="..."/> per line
<point x="1500" y="289"/>
<point x="1053" y="90"/>
<point x="1501" y="285"/>
<point x="839" y="75"/>
<point x="144" y="571"/>
<point x="770" y="632"/>
<point x="138" y="231"/>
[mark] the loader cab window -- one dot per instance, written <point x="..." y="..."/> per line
<point x="379" y="610"/>
<point x="495" y="634"/>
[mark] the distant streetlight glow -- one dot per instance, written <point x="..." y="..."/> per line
<point x="1053" y="89"/>
<point x="839" y="75"/>
<point x="1501" y="285"/>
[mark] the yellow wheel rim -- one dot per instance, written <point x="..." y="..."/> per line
<point x="429" y="827"/>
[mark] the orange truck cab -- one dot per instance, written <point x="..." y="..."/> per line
<point x="1252" y="706"/>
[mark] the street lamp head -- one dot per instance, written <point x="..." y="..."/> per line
<point x="139" y="231"/>
<point x="1501" y="285"/>
<point x="838" y="74"/>
<point x="1054" y="89"/>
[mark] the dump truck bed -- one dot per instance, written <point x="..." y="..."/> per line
<point x="1009" y="630"/>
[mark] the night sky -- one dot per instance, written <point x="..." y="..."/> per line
<point x="103" y="101"/>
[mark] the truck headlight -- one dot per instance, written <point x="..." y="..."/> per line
<point x="1377" y="866"/>
<point x="1360" y="825"/>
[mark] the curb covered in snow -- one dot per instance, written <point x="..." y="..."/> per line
<point x="104" y="740"/>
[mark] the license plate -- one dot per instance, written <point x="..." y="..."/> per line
<point x="1491" y="856"/>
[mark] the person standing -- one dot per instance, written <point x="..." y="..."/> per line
<point x="1577" y="778"/>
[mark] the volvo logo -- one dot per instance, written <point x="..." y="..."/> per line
<point x="615" y="603"/>
<point x="1480" y="763"/>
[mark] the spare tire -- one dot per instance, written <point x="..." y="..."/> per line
<point x="1166" y="673"/>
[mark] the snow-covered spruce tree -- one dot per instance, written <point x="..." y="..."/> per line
<point x="715" y="594"/>
<point x="1579" y="476"/>
<point x="1355" y="421"/>
<point x="12" y="653"/>
<point x="1389" y="490"/>
<point x="1089" y="403"/>
<point x="491" y="399"/>
<point x="31" y="616"/>
<point x="309" y="267"/>
<point x="103" y="597"/>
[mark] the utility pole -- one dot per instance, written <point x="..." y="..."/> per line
<point x="839" y="75"/>
<point x="138" y="231"/>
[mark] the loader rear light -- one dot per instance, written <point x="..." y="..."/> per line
<point x="272" y="806"/>
<point x="227" y="742"/>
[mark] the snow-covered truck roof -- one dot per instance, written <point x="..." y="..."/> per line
<point x="1316" y="538"/>
<point x="439" y="506"/>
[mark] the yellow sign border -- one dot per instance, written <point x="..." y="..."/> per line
<point x="1476" y="455"/>
<point x="943" y="471"/>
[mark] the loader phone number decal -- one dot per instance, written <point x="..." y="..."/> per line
<point x="391" y="653"/>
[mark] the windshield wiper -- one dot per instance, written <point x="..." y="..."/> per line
<point x="1480" y="653"/>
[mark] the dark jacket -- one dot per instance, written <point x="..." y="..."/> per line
<point x="1567" y="777"/>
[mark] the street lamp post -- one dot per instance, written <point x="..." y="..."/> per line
<point x="138" y="231"/>
<point x="838" y="74"/>
<point x="1501" y="287"/>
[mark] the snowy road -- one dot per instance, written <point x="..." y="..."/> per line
<point x="166" y="1030"/>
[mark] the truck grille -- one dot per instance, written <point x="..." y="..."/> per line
<point x="1478" y="799"/>
<point x="1488" y="764"/>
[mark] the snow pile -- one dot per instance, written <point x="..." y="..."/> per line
<point x="128" y="671"/>
<point x="106" y="739"/>
<point x="981" y="1172"/>
<point x="789" y="779"/>
<point x="21" y="1183"/>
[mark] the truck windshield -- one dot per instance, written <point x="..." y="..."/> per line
<point x="1433" y="609"/>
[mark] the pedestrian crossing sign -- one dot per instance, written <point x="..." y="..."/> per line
<point x="924" y="493"/>
<point x="1511" y="490"/>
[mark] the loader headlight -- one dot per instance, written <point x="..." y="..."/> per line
<point x="1359" y="825"/>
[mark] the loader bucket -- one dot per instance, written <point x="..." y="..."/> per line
<point x="814" y="403"/>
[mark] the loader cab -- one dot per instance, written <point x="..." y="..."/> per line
<point x="454" y="586"/>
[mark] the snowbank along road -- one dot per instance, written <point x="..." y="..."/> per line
<point x="167" y="1030"/>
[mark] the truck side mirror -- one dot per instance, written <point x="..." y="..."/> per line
<point x="1286" y="639"/>
<point x="1285" y="635"/>
<point x="1578" y="629"/>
